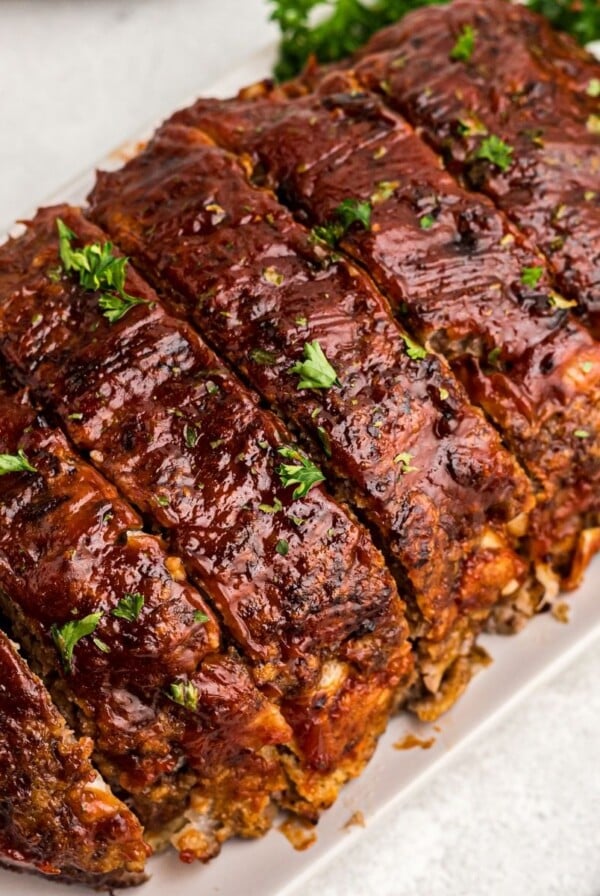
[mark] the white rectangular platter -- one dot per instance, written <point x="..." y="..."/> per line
<point x="270" y="867"/>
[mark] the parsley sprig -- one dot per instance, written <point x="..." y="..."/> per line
<point x="68" y="635"/>
<point x="348" y="212"/>
<point x="129" y="607"/>
<point x="15" y="463"/>
<point x="315" y="371"/>
<point x="99" y="271"/>
<point x="302" y="472"/>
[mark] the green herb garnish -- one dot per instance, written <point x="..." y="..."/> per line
<point x="129" y="607"/>
<point x="282" y="547"/>
<point x="200" y="617"/>
<point x="496" y="151"/>
<point x="302" y="473"/>
<point x="66" y="636"/>
<point x="271" y="508"/>
<point x="100" y="271"/>
<point x="581" y="434"/>
<point x="15" y="463"/>
<point x="532" y="276"/>
<point x="464" y="46"/>
<point x="348" y="212"/>
<point x="404" y="459"/>
<point x="315" y="371"/>
<point x="426" y="222"/>
<point x="185" y="694"/>
<point x="264" y="357"/>
<point x="414" y="351"/>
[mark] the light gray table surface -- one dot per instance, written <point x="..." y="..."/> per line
<point x="518" y="813"/>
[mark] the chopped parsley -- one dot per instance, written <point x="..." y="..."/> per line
<point x="593" y="124"/>
<point x="593" y="87"/>
<point x="315" y="371"/>
<point x="414" y="351"/>
<point x="426" y="222"/>
<point x="162" y="500"/>
<point x="494" y="355"/>
<point x="385" y="190"/>
<point x="185" y="694"/>
<point x="532" y="276"/>
<point x="444" y="394"/>
<point x="496" y="151"/>
<point x="190" y="434"/>
<point x="282" y="547"/>
<point x="66" y="636"/>
<point x="302" y="472"/>
<point x="348" y="212"/>
<point x="464" y="46"/>
<point x="271" y="508"/>
<point x="581" y="434"/>
<point x="15" y="463"/>
<point x="129" y="607"/>
<point x="99" y="271"/>
<point x="404" y="459"/>
<point x="200" y="617"/>
<point x="273" y="276"/>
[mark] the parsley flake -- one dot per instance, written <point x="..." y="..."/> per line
<point x="496" y="151"/>
<point x="99" y="271"/>
<point x="593" y="87"/>
<point x="129" y="607"/>
<point x="190" y="434"/>
<point x="532" y="276"/>
<point x="15" y="463"/>
<point x="302" y="473"/>
<point x="464" y="46"/>
<point x="282" y="547"/>
<point x="200" y="617"/>
<point x="315" y="371"/>
<point x="404" y="459"/>
<point x="581" y="434"/>
<point x="271" y="508"/>
<point x="414" y="351"/>
<point x="66" y="636"/>
<point x="264" y="357"/>
<point x="426" y="222"/>
<point x="185" y="694"/>
<point x="385" y="190"/>
<point x="348" y="212"/>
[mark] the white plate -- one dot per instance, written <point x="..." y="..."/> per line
<point x="520" y="664"/>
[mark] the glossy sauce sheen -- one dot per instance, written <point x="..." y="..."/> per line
<point x="252" y="283"/>
<point x="70" y="546"/>
<point x="48" y="784"/>
<point x="131" y="393"/>
<point x="552" y="188"/>
<point x="452" y="267"/>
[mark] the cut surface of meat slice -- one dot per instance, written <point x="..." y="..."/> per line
<point x="57" y="816"/>
<point x="130" y="652"/>
<point x="299" y="586"/>
<point x="457" y="273"/>
<point x="396" y="431"/>
<point x="507" y="124"/>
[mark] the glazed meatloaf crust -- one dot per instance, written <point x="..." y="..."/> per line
<point x="395" y="431"/>
<point x="57" y="816"/>
<point x="131" y="654"/>
<point x="298" y="585"/>
<point x="544" y="172"/>
<point x="459" y="276"/>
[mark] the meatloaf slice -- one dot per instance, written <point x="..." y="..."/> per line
<point x="396" y="432"/>
<point x="459" y="276"/>
<point x="297" y="582"/>
<point x="57" y="816"/>
<point x="131" y="654"/>
<point x="507" y="124"/>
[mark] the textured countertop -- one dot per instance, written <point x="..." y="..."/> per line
<point x="518" y="812"/>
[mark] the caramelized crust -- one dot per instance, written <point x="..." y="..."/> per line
<point x="57" y="816"/>
<point x="551" y="187"/>
<point x="397" y="434"/>
<point x="455" y="271"/>
<point x="70" y="547"/>
<point x="321" y="626"/>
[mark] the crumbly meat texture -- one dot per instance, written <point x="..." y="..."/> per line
<point x="57" y="816"/>
<point x="298" y="584"/>
<point x="71" y="547"/>
<point x="550" y="184"/>
<point x="397" y="434"/>
<point x="462" y="279"/>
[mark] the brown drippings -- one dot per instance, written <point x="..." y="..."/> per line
<point x="357" y="819"/>
<point x="410" y="741"/>
<point x="301" y="834"/>
<point x="480" y="656"/>
<point x="561" y="612"/>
